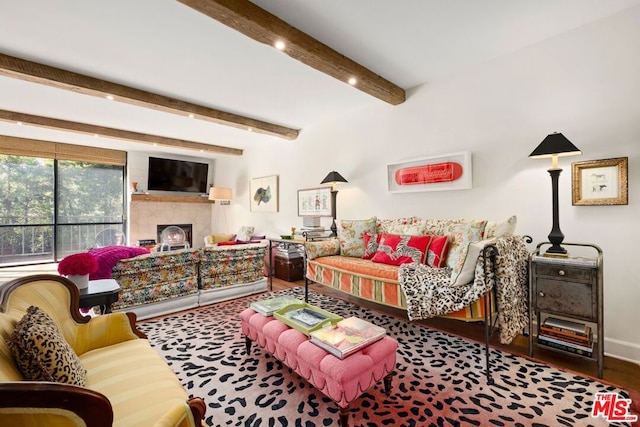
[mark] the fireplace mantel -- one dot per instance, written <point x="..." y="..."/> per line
<point x="142" y="197"/>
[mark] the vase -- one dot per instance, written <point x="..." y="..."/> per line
<point x="81" y="280"/>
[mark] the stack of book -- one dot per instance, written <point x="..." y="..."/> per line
<point x="574" y="337"/>
<point x="347" y="336"/>
<point x="288" y="251"/>
<point x="310" y="233"/>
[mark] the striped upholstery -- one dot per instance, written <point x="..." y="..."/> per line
<point x="375" y="282"/>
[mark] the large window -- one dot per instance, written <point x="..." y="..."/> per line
<point x="50" y="208"/>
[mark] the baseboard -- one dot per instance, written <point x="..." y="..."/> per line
<point x="161" y="308"/>
<point x="623" y="350"/>
<point x="210" y="296"/>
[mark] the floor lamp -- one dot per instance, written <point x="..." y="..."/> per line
<point x="333" y="178"/>
<point x="554" y="146"/>
<point x="222" y="195"/>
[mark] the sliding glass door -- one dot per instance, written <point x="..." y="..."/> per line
<point x="51" y="208"/>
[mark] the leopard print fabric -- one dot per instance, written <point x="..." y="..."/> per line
<point x="429" y="293"/>
<point x="439" y="378"/>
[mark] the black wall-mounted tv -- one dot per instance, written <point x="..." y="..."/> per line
<point x="177" y="175"/>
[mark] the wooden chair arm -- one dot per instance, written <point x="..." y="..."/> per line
<point x="198" y="409"/>
<point x="92" y="407"/>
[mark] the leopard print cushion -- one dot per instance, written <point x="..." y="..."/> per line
<point x="41" y="352"/>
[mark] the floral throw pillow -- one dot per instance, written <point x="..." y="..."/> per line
<point x="245" y="233"/>
<point x="461" y="235"/>
<point x="351" y="235"/>
<point x="397" y="250"/>
<point x="322" y="248"/>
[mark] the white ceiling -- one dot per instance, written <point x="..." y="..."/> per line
<point x="165" y="47"/>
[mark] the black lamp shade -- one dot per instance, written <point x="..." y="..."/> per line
<point x="333" y="177"/>
<point x="555" y="144"/>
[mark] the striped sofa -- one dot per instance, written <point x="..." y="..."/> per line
<point x="327" y="263"/>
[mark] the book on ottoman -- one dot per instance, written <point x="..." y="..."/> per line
<point x="266" y="307"/>
<point x="347" y="336"/>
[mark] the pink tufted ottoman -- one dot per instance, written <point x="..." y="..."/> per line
<point x="341" y="380"/>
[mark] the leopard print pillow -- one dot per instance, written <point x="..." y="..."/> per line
<point x="41" y="352"/>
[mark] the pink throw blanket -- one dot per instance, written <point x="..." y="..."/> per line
<point x="109" y="256"/>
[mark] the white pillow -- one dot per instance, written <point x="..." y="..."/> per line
<point x="468" y="270"/>
<point x="501" y="229"/>
<point x="245" y="233"/>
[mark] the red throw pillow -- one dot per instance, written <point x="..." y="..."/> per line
<point x="396" y="250"/>
<point x="231" y="243"/>
<point x="437" y="252"/>
<point x="370" y="245"/>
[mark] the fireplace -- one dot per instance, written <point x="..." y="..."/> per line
<point x="174" y="242"/>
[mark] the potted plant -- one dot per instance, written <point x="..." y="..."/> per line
<point x="78" y="267"/>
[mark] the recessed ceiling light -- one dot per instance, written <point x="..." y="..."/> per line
<point x="109" y="97"/>
<point x="352" y="81"/>
<point x="191" y="116"/>
<point x="202" y="151"/>
<point x="19" y="123"/>
<point x="280" y="45"/>
<point x="250" y="129"/>
<point x="96" y="135"/>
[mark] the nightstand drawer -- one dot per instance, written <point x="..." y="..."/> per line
<point x="572" y="299"/>
<point x="564" y="272"/>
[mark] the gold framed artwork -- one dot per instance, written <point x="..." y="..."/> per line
<point x="600" y="182"/>
<point x="264" y="194"/>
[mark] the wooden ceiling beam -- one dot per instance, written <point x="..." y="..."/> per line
<point x="88" y="129"/>
<point x="260" y="25"/>
<point x="34" y="72"/>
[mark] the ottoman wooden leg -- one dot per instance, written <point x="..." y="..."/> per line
<point x="247" y="344"/>
<point x="387" y="383"/>
<point x="344" y="417"/>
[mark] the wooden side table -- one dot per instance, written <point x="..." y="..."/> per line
<point x="103" y="293"/>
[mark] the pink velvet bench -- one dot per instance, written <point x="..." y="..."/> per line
<point x="343" y="381"/>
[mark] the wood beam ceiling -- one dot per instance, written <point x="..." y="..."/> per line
<point x="98" y="131"/>
<point x="255" y="22"/>
<point x="34" y="72"/>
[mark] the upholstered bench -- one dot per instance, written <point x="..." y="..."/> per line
<point x="343" y="381"/>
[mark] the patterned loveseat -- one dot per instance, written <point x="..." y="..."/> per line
<point x="165" y="282"/>
<point x="444" y="273"/>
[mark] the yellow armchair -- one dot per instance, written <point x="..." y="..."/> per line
<point x="127" y="382"/>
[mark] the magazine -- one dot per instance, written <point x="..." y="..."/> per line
<point x="347" y="336"/>
<point x="266" y="307"/>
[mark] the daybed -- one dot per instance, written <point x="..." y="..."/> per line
<point x="166" y="282"/>
<point x="70" y="370"/>
<point x="449" y="278"/>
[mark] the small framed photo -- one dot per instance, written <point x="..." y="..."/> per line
<point x="315" y="202"/>
<point x="600" y="182"/>
<point x="264" y="194"/>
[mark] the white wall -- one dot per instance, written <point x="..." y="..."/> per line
<point x="584" y="83"/>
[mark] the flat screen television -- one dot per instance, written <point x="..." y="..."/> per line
<point x="177" y="175"/>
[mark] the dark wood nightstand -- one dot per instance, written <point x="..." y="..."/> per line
<point x="571" y="289"/>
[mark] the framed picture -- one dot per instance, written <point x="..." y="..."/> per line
<point x="264" y="194"/>
<point x="315" y="202"/>
<point x="446" y="172"/>
<point x="600" y="182"/>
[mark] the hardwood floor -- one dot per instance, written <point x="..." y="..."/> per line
<point x="623" y="373"/>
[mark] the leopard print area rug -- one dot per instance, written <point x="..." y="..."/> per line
<point x="439" y="378"/>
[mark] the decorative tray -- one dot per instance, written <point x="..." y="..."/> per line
<point x="305" y="317"/>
